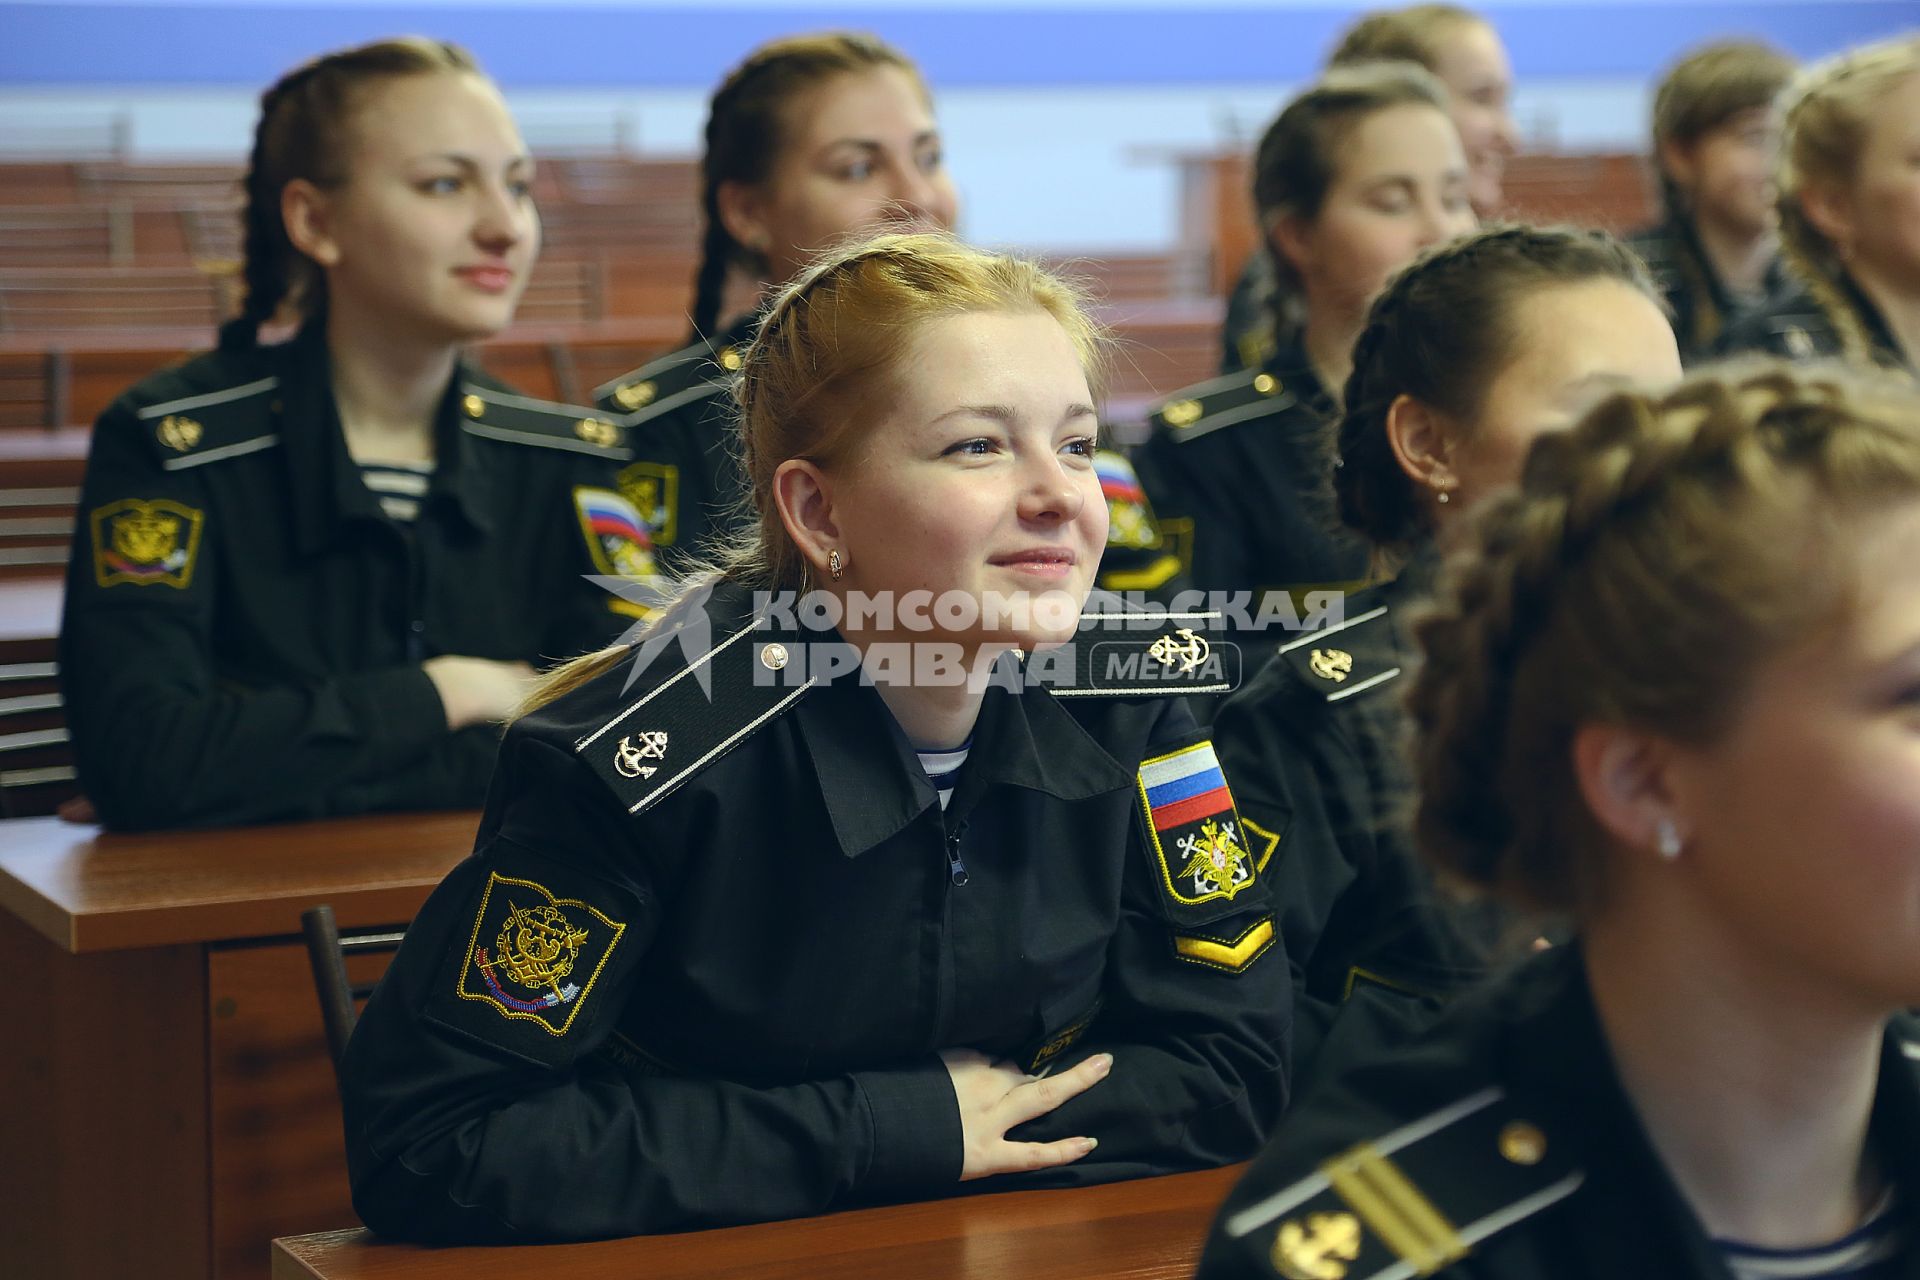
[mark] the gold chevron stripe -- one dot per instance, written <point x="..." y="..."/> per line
<point x="1228" y="955"/>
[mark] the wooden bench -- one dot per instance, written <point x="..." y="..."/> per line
<point x="62" y="300"/>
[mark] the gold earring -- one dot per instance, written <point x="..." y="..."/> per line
<point x="834" y="565"/>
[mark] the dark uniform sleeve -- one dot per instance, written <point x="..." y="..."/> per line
<point x="1196" y="1008"/>
<point x="1298" y="780"/>
<point x="160" y="739"/>
<point x="1185" y="496"/>
<point x="490" y="1099"/>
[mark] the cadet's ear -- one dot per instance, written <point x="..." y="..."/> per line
<point x="1630" y="782"/>
<point x="1677" y="162"/>
<point x="1421" y="444"/>
<point x="1292" y="239"/>
<point x="741" y="206"/>
<point x="307" y="214"/>
<point x="1830" y="210"/>
<point x="804" y="499"/>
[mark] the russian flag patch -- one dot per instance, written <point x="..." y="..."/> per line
<point x="617" y="538"/>
<point x="1193" y="827"/>
<point x="1130" y="521"/>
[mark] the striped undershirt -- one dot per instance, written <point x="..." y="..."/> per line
<point x="1871" y="1251"/>
<point x="943" y="768"/>
<point x="399" y="486"/>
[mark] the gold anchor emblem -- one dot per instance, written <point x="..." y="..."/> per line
<point x="537" y="946"/>
<point x="631" y="756"/>
<point x="179" y="433"/>
<point x="1320" y="1250"/>
<point x="1183" y="649"/>
<point x="1330" y="664"/>
<point x="1215" y="860"/>
<point x="597" y="431"/>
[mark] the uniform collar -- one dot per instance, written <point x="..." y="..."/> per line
<point x="325" y="484"/>
<point x="1556" y="1049"/>
<point x="873" y="784"/>
<point x="1290" y="364"/>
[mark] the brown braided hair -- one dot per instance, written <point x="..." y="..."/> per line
<point x="744" y="136"/>
<point x="303" y="133"/>
<point x="1700" y="93"/>
<point x="1828" y="112"/>
<point x="1441" y="332"/>
<point x="1653" y="557"/>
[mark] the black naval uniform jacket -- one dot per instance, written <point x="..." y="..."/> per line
<point x="1316" y="745"/>
<point x="244" y="626"/>
<point x="759" y="928"/>
<point x="1236" y="470"/>
<point x="1792" y="324"/>
<point x="682" y="426"/>
<point x="1699" y="304"/>
<point x="1500" y="1145"/>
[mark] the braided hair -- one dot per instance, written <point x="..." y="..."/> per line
<point x="1651" y="560"/>
<point x="302" y="134"/>
<point x="1441" y="332"/>
<point x="744" y="135"/>
<point x="1701" y="93"/>
<point x="1297" y="160"/>
<point x="1827" y="115"/>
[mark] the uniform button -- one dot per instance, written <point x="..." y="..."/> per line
<point x="1523" y="1143"/>
<point x="417" y="626"/>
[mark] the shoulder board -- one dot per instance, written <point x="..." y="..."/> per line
<point x="663" y="385"/>
<point x="1348" y="657"/>
<point x="1121" y="652"/>
<point x="666" y="734"/>
<point x="213" y="425"/>
<point x="1235" y="397"/>
<point x="1416" y="1200"/>
<point x="501" y="415"/>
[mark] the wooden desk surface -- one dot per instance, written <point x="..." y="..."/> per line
<point x="88" y="890"/>
<point x="1150" y="1229"/>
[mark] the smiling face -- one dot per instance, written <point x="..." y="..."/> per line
<point x="1472" y="63"/>
<point x="433" y="232"/>
<point x="858" y="153"/>
<point x="1804" y="819"/>
<point x="979" y="478"/>
<point x="1400" y="185"/>
<point x="1882" y="202"/>
<point x="1726" y="173"/>
<point x="1574" y="343"/>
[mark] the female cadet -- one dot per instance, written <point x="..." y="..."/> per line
<point x="1671" y="689"/>
<point x="1465" y="54"/>
<point x="811" y="140"/>
<point x="1849" y="213"/>
<point x="1354" y="178"/>
<point x="311" y="575"/>
<point x="1716" y="249"/>
<point x="1468" y="355"/>
<point x="806" y="944"/>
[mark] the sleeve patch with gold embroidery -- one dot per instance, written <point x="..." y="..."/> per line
<point x="1229" y="955"/>
<point x="533" y="956"/>
<point x="1130" y="521"/>
<point x="616" y="536"/>
<point x="1193" y="828"/>
<point x="654" y="490"/>
<point x="145" y="543"/>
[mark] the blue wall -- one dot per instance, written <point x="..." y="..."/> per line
<point x="643" y="46"/>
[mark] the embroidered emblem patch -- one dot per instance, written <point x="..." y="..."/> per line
<point x="1193" y="826"/>
<point x="179" y="432"/>
<point x="146" y="543"/>
<point x="654" y="490"/>
<point x="616" y="538"/>
<point x="1130" y="520"/>
<point x="534" y="956"/>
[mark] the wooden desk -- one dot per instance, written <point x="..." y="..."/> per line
<point x="171" y="1108"/>
<point x="1151" y="1229"/>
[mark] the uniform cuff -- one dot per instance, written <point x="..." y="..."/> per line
<point x="917" y="1141"/>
